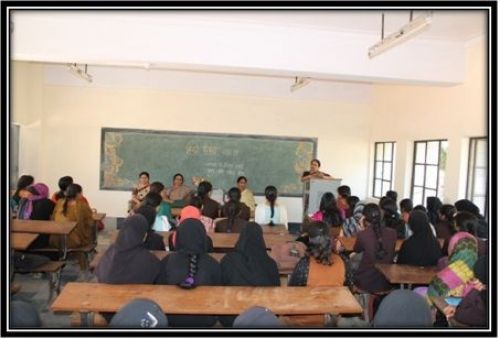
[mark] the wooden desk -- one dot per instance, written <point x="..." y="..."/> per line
<point x="21" y="241"/>
<point x="406" y="274"/>
<point x="46" y="227"/>
<point x="276" y="229"/>
<point x="98" y="216"/>
<point x="86" y="298"/>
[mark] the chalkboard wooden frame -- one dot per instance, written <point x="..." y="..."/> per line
<point x="105" y="130"/>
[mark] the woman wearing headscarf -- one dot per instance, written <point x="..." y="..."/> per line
<point x="249" y="264"/>
<point x="422" y="248"/>
<point x="403" y="308"/>
<point x="454" y="279"/>
<point x="191" y="266"/>
<point x="188" y="212"/>
<point x="154" y="241"/>
<point x="36" y="205"/>
<point x="127" y="261"/>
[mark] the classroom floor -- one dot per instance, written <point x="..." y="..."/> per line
<point x="35" y="288"/>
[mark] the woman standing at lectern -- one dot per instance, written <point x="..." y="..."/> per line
<point x="314" y="172"/>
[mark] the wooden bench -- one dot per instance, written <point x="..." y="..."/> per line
<point x="407" y="274"/>
<point x="53" y="270"/>
<point x="87" y="298"/>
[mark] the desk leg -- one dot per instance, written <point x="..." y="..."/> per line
<point x="64" y="246"/>
<point x="87" y="319"/>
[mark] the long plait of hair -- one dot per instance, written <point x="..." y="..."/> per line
<point x="189" y="281"/>
<point x="377" y="227"/>
<point x="65" y="206"/>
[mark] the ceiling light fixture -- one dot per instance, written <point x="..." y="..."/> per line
<point x="299" y="83"/>
<point x="408" y="31"/>
<point x="81" y="73"/>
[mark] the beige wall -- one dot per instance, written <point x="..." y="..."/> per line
<point x="61" y="127"/>
<point x="72" y="119"/>
<point x="408" y="113"/>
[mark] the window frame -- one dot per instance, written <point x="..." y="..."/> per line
<point x="425" y="164"/>
<point x="471" y="170"/>
<point x="383" y="161"/>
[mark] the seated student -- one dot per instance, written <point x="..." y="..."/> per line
<point x="246" y="195"/>
<point x="353" y="225"/>
<point x="391" y="217"/>
<point x="249" y="264"/>
<point x="403" y="308"/>
<point x="36" y="205"/>
<point x="319" y="267"/>
<point x="406" y="206"/>
<point x="392" y="195"/>
<point x="197" y="202"/>
<point x="257" y="317"/>
<point x="23" y="182"/>
<point x="344" y="190"/>
<point x="465" y="205"/>
<point x="445" y="227"/>
<point x="140" y="313"/>
<point x="433" y="206"/>
<point x="154" y="241"/>
<point x="377" y="243"/>
<point x="73" y="208"/>
<point x="164" y="220"/>
<point x="271" y="212"/>
<point x="421" y="249"/>
<point x="328" y="211"/>
<point x="423" y="209"/>
<point x="139" y="192"/>
<point x="188" y="212"/>
<point x="210" y="208"/>
<point x="232" y="223"/>
<point x="63" y="184"/>
<point x="191" y="266"/>
<point x="234" y="194"/>
<point x="468" y="222"/>
<point x="127" y="260"/>
<point x="472" y="310"/>
<point x="178" y="193"/>
<point x="455" y="278"/>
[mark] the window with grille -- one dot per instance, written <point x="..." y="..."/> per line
<point x="383" y="168"/>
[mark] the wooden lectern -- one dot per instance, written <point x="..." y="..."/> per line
<point x="314" y="190"/>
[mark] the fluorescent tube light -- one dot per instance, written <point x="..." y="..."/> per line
<point x="80" y="72"/>
<point x="406" y="32"/>
<point x="299" y="83"/>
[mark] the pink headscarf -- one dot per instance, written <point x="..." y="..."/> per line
<point x="27" y="207"/>
<point x="190" y="212"/>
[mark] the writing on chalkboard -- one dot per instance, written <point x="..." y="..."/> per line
<point x="219" y="158"/>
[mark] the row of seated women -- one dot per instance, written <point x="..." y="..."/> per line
<point x="129" y="260"/>
<point x="31" y="202"/>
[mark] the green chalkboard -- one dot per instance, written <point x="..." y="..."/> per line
<point x="220" y="158"/>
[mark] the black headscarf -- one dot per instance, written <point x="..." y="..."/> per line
<point x="127" y="261"/>
<point x="422" y="248"/>
<point x="191" y="263"/>
<point x="249" y="264"/>
<point x="433" y="206"/>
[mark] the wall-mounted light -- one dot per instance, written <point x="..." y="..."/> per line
<point x="299" y="83"/>
<point x="81" y="73"/>
<point x="408" y="31"/>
